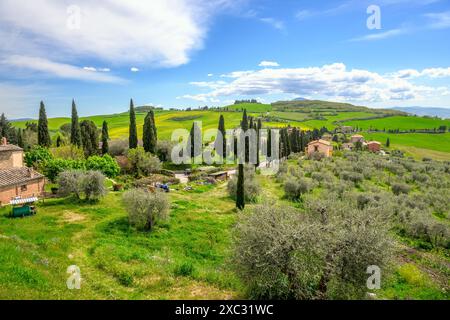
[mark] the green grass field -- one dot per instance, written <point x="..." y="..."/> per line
<point x="399" y="122"/>
<point x="418" y="145"/>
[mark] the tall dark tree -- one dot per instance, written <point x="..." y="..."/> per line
<point x="75" y="130"/>
<point x="245" y="127"/>
<point x="89" y="137"/>
<point x="388" y="143"/>
<point x="7" y="130"/>
<point x="240" y="196"/>
<point x="149" y="137"/>
<point x="258" y="141"/>
<point x="43" y="133"/>
<point x="155" y="131"/>
<point x="195" y="141"/>
<point x="105" y="138"/>
<point x="133" y="139"/>
<point x="20" y="141"/>
<point x="269" y="144"/>
<point x="221" y="129"/>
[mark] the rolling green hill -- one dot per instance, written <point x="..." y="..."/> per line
<point x="306" y="115"/>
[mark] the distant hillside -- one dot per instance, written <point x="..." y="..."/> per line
<point x="424" y="111"/>
<point x="319" y="106"/>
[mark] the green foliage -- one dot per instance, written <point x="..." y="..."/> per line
<point x="105" y="138"/>
<point x="105" y="164"/>
<point x="149" y="133"/>
<point x="280" y="253"/>
<point x="89" y="137"/>
<point x="142" y="163"/>
<point x="75" y="129"/>
<point x="77" y="182"/>
<point x="43" y="133"/>
<point x="246" y="188"/>
<point x="132" y="139"/>
<point x="145" y="208"/>
<point x="53" y="167"/>
<point x="36" y="156"/>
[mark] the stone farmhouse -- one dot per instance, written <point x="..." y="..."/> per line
<point x="17" y="180"/>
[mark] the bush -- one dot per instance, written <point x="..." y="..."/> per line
<point x="280" y="253"/>
<point x="145" y="208"/>
<point x="352" y="176"/>
<point x="52" y="168"/>
<point x="70" y="183"/>
<point x="185" y="269"/>
<point x="68" y="153"/>
<point x="36" y="156"/>
<point x="143" y="163"/>
<point x="77" y="182"/>
<point x="252" y="189"/>
<point x="399" y="188"/>
<point x="106" y="164"/>
<point x="93" y="184"/>
<point x="118" y="147"/>
<point x="295" y="188"/>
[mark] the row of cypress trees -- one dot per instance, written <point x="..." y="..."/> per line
<point x="149" y="136"/>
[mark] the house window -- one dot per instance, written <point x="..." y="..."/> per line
<point x="316" y="148"/>
<point x="23" y="188"/>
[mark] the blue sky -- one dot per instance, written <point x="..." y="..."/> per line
<point x="189" y="53"/>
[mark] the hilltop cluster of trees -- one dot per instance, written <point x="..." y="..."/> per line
<point x="246" y="101"/>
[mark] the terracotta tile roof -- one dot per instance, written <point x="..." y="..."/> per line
<point x="328" y="143"/>
<point x="10" y="147"/>
<point x="374" y="142"/>
<point x="14" y="176"/>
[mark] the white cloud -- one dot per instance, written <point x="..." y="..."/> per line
<point x="275" y="23"/>
<point x="157" y="32"/>
<point x="428" y="72"/>
<point x="269" y="64"/>
<point x="382" y="35"/>
<point x="210" y="74"/>
<point x="134" y="69"/>
<point x="333" y="81"/>
<point x="93" y="69"/>
<point x="59" y="70"/>
<point x="439" y="20"/>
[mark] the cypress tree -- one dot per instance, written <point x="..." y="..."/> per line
<point x="388" y="143"/>
<point x="75" y="130"/>
<point x="221" y="129"/>
<point x="155" y="132"/>
<point x="133" y="139"/>
<point x="105" y="138"/>
<point x="43" y="133"/>
<point x="269" y="144"/>
<point x="148" y="137"/>
<point x="89" y="137"/>
<point x="244" y="127"/>
<point x="20" y="138"/>
<point x="195" y="141"/>
<point x="240" y="200"/>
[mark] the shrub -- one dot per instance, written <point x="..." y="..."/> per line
<point x="52" y="168"/>
<point x="352" y="176"/>
<point x="68" y="153"/>
<point x="36" y="156"/>
<point x="280" y="253"/>
<point x="143" y="163"/>
<point x="252" y="189"/>
<point x="185" y="269"/>
<point x="118" y="147"/>
<point x="399" y="188"/>
<point x="295" y="188"/>
<point x="106" y="164"/>
<point x="77" y="182"/>
<point x="145" y="208"/>
<point x="70" y="183"/>
<point x="93" y="184"/>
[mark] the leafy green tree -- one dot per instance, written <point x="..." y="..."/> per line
<point x="89" y="137"/>
<point x="133" y="139"/>
<point x="36" y="156"/>
<point x="52" y="168"/>
<point x="142" y="163"/>
<point x="43" y="133"/>
<point x="105" y="138"/>
<point x="105" y="164"/>
<point x="8" y="131"/>
<point x="149" y="138"/>
<point x="75" y="130"/>
<point x="240" y="196"/>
